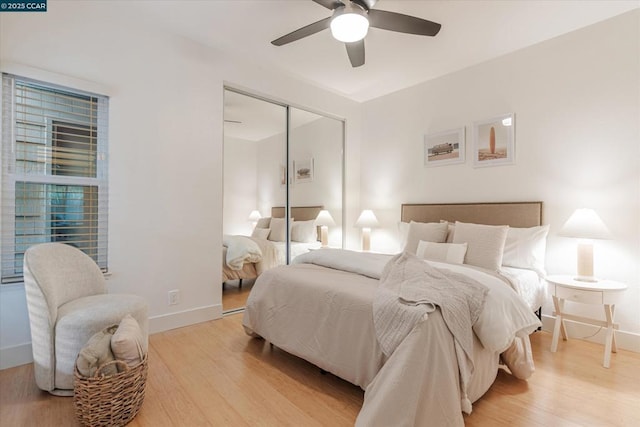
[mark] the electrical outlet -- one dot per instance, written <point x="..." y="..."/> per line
<point x="174" y="297"/>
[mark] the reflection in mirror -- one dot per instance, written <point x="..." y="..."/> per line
<point x="257" y="235"/>
<point x="254" y="149"/>
<point x="316" y="161"/>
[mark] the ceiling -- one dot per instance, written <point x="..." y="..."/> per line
<point x="253" y="119"/>
<point x="472" y="32"/>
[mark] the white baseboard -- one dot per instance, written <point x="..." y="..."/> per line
<point x="15" y="356"/>
<point x="180" y="319"/>
<point x="625" y="340"/>
<point x="22" y="354"/>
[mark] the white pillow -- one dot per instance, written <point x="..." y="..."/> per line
<point x="278" y="230"/>
<point x="485" y="243"/>
<point x="260" y="233"/>
<point x="304" y="231"/>
<point x="403" y="232"/>
<point x="452" y="253"/>
<point x="525" y="248"/>
<point x="263" y="222"/>
<point x="427" y="231"/>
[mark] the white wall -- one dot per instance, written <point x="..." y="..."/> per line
<point x="240" y="185"/>
<point x="576" y="100"/>
<point x="165" y="134"/>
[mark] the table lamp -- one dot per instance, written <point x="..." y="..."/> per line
<point x="366" y="221"/>
<point x="324" y="220"/>
<point x="254" y="216"/>
<point x="585" y="224"/>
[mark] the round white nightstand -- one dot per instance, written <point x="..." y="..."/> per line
<point x="603" y="292"/>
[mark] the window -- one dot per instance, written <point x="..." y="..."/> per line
<point x="54" y="171"/>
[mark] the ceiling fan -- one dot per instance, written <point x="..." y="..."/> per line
<point x="351" y="20"/>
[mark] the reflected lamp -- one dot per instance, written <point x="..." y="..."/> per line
<point x="367" y="220"/>
<point x="324" y="220"/>
<point x="254" y="216"/>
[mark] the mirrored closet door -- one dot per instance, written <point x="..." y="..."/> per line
<point x="283" y="188"/>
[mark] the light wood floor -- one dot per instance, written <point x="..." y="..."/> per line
<point x="234" y="296"/>
<point x="212" y="374"/>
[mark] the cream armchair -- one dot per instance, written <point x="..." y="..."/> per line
<point x="68" y="302"/>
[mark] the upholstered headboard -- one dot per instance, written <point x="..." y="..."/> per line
<point x="514" y="214"/>
<point x="299" y="213"/>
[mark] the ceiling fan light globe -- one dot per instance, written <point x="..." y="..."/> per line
<point x="349" y="27"/>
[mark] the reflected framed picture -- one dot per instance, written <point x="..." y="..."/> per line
<point x="303" y="170"/>
<point x="494" y="141"/>
<point x="445" y="148"/>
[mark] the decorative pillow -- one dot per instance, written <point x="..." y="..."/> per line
<point x="518" y="358"/>
<point x="304" y="231"/>
<point x="128" y="343"/>
<point x="260" y="233"/>
<point x="278" y="230"/>
<point x="485" y="243"/>
<point x="452" y="253"/>
<point x="97" y="352"/>
<point x="263" y="222"/>
<point x="525" y="248"/>
<point x="427" y="231"/>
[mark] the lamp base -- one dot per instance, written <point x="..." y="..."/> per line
<point x="585" y="262"/>
<point x="366" y="239"/>
<point x="586" y="279"/>
<point x="324" y="241"/>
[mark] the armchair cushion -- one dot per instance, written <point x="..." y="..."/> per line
<point x="80" y="319"/>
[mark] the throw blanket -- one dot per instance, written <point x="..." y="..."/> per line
<point x="240" y="249"/>
<point x="409" y="290"/>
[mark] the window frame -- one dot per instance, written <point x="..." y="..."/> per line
<point x="9" y="176"/>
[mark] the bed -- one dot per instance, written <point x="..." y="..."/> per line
<point x="339" y="310"/>
<point x="246" y="257"/>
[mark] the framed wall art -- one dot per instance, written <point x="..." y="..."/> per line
<point x="303" y="170"/>
<point x="494" y="141"/>
<point x="445" y="148"/>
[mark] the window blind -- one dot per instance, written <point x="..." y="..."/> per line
<point x="54" y="171"/>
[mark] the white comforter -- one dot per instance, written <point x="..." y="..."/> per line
<point x="325" y="315"/>
<point x="243" y="249"/>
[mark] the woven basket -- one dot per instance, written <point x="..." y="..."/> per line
<point x="110" y="400"/>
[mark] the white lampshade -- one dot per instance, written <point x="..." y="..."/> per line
<point x="324" y="218"/>
<point x="367" y="219"/>
<point x="349" y="23"/>
<point x="585" y="224"/>
<point x="254" y="216"/>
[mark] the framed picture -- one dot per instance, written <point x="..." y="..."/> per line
<point x="444" y="148"/>
<point x="494" y="141"/>
<point x="303" y="170"/>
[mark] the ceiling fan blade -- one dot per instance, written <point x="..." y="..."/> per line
<point x="355" y="51"/>
<point x="393" y="21"/>
<point x="303" y="32"/>
<point x="329" y="4"/>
